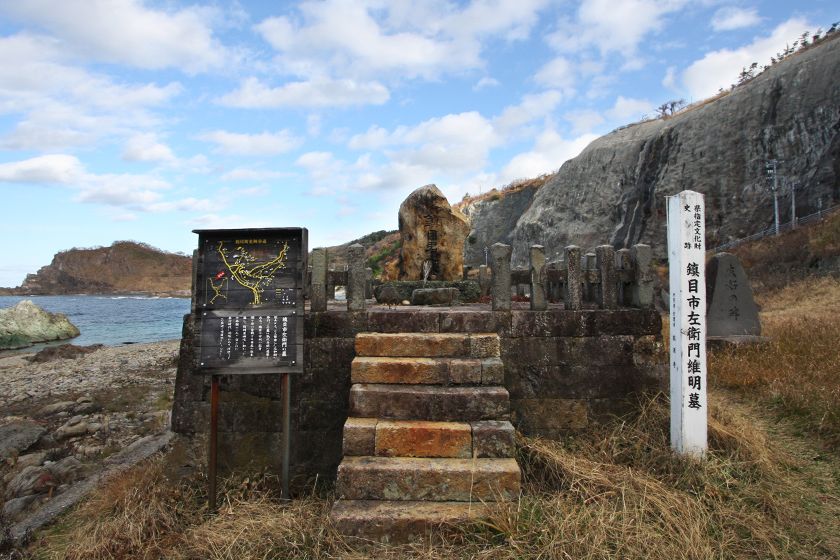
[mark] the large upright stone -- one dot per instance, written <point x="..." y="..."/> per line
<point x="731" y="308"/>
<point x="26" y="323"/>
<point x="434" y="232"/>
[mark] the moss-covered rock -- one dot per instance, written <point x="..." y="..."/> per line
<point x="26" y="323"/>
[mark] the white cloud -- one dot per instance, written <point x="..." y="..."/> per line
<point x="146" y="148"/>
<point x="485" y="82"/>
<point x="610" y="26"/>
<point x="670" y="79"/>
<point x="531" y="108"/>
<point x="246" y="174"/>
<point x="50" y="169"/>
<point x="731" y="17"/>
<point x="60" y="105"/>
<point x="252" y="93"/>
<point x="142" y="193"/>
<point x="584" y="121"/>
<point x="558" y="73"/>
<point x="718" y="69"/>
<point x="127" y="32"/>
<point x="629" y="108"/>
<point x="409" y="40"/>
<point x="550" y="151"/>
<point x="265" y="143"/>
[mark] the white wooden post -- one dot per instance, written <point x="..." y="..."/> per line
<point x="686" y="263"/>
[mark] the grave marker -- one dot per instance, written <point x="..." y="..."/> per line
<point x="686" y="261"/>
<point x="731" y="308"/>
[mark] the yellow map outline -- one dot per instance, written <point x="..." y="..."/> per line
<point x="249" y="272"/>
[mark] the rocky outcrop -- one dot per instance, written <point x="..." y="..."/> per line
<point x="124" y="267"/>
<point x="614" y="191"/>
<point x="432" y="232"/>
<point x="493" y="219"/>
<point x="26" y="323"/>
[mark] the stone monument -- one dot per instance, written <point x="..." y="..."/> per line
<point x="433" y="234"/>
<point x="731" y="309"/>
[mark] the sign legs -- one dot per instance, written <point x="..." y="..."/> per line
<point x="214" y="435"/>
<point x="285" y="392"/>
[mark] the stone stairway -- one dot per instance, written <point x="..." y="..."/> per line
<point x="428" y="439"/>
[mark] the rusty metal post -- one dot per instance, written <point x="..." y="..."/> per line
<point x="214" y="433"/>
<point x="285" y="397"/>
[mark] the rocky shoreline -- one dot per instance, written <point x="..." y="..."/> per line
<point x="63" y="419"/>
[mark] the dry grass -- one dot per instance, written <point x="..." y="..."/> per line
<point x="798" y="371"/>
<point x="615" y="492"/>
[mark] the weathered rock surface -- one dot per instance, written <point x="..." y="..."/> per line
<point x="124" y="267"/>
<point x="26" y="323"/>
<point x="614" y="191"/>
<point x="434" y="296"/>
<point x="18" y="436"/>
<point x="431" y="230"/>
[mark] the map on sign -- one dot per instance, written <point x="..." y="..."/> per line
<point x="247" y="272"/>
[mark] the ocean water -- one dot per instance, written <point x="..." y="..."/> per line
<point x="114" y="320"/>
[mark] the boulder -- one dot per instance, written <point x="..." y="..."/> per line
<point x="18" y="436"/>
<point x="432" y="232"/>
<point x="26" y="323"/>
<point x="31" y="480"/>
<point x="434" y="296"/>
<point x="63" y="352"/>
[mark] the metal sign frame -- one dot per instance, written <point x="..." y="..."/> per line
<point x="248" y="301"/>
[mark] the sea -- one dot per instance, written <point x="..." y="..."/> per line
<point x="113" y="320"/>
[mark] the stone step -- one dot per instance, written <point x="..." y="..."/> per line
<point x="431" y="371"/>
<point x="420" y="438"/>
<point x="439" y="480"/>
<point x="429" y="402"/>
<point x="400" y="521"/>
<point x="428" y="345"/>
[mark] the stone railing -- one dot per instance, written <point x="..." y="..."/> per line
<point x="606" y="278"/>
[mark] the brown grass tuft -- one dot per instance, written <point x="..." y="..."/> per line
<point x="798" y="371"/>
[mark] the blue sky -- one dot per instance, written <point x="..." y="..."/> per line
<point x="143" y="120"/>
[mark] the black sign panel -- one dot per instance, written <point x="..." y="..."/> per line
<point x="249" y="300"/>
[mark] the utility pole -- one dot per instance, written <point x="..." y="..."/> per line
<point x="770" y="167"/>
<point x="793" y="205"/>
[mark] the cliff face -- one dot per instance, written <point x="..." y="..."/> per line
<point x="614" y="191"/>
<point x="124" y="267"/>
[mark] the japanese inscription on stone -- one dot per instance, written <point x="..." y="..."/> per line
<point x="250" y="300"/>
<point x="686" y="261"/>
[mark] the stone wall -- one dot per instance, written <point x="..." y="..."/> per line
<point x="564" y="369"/>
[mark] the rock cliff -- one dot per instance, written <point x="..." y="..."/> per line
<point x="614" y="191"/>
<point x="124" y="267"/>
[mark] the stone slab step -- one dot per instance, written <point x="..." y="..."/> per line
<point x="428" y="345"/>
<point x="429" y="402"/>
<point x="441" y="371"/>
<point x="441" y="480"/>
<point x="400" y="521"/>
<point x="420" y="438"/>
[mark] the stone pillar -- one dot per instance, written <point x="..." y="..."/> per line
<point x="642" y="290"/>
<point x="573" y="296"/>
<point x="331" y="283"/>
<point x="318" y="291"/>
<point x="500" y="289"/>
<point x="355" y="287"/>
<point x="484" y="279"/>
<point x="588" y="266"/>
<point x="368" y="283"/>
<point x="624" y="267"/>
<point x="538" y="283"/>
<point x="607" y="293"/>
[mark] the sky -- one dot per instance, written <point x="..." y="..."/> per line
<point x="143" y="120"/>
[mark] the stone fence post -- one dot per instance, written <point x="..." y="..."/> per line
<point x="356" y="280"/>
<point x="500" y="289"/>
<point x="572" y="296"/>
<point x="624" y="271"/>
<point x="641" y="294"/>
<point x="605" y="259"/>
<point x="318" y="290"/>
<point x="538" y="297"/>
<point x="368" y="283"/>
<point x="484" y="279"/>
